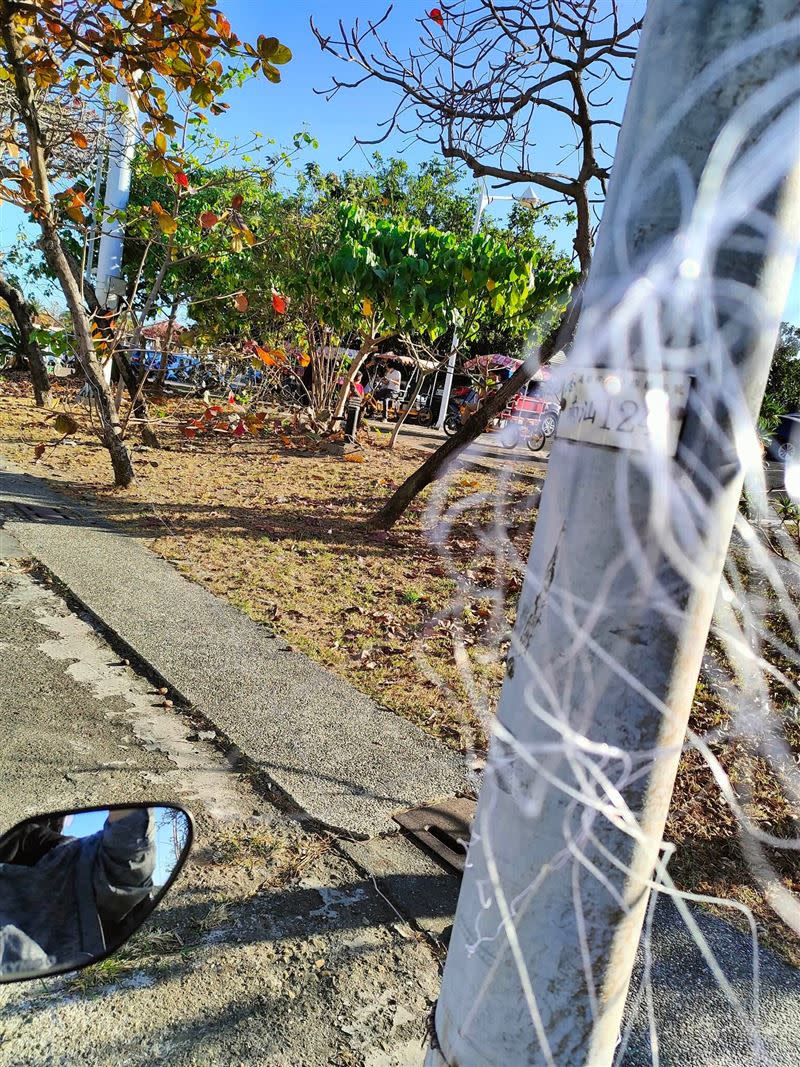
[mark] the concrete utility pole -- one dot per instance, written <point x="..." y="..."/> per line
<point x="483" y="202"/>
<point x="109" y="283"/>
<point x="121" y="145"/>
<point x="529" y="199"/>
<point x="629" y="546"/>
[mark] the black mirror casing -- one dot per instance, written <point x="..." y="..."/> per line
<point x="75" y="885"/>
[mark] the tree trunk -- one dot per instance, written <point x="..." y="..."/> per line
<point x="101" y="391"/>
<point x="23" y="317"/>
<point x="138" y="402"/>
<point x="166" y="347"/>
<point x="476" y="424"/>
<point x="401" y="421"/>
<point x="132" y="383"/>
<point x="111" y="431"/>
<point x="355" y="366"/>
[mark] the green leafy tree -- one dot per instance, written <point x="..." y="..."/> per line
<point x="386" y="278"/>
<point x="783" y="384"/>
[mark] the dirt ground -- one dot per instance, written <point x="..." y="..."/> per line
<point x="418" y="618"/>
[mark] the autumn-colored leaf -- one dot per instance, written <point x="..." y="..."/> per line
<point x="208" y="219"/>
<point x="437" y="16"/>
<point x="237" y="202"/>
<point x="79" y="139"/>
<point x="264" y="356"/>
<point x="491" y="284"/>
<point x="65" y="424"/>
<point x="279" y="303"/>
<point x="304" y="359"/>
<point x="366" y="307"/>
<point x="223" y="26"/>
<point x="241" y="302"/>
<point x="161" y="143"/>
<point x="167" y="224"/>
<point x="182" y="179"/>
<point x="39" y="451"/>
<point x="354" y="457"/>
<point x="76" y="214"/>
<point x="188" y="431"/>
<point x="282" y="54"/>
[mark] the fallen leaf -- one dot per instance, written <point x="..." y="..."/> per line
<point x="65" y="424"/>
<point x="241" y="302"/>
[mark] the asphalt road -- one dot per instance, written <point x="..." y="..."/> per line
<point x="271" y="950"/>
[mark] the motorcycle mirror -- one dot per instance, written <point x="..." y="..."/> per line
<point x="75" y="885"/>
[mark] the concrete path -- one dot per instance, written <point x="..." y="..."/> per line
<point x="485" y="453"/>
<point x="330" y="750"/>
<point x="694" y="1022"/>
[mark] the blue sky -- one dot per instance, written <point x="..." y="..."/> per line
<point x="278" y="111"/>
<point x="281" y="110"/>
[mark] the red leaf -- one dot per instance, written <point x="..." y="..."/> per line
<point x="182" y="179"/>
<point x="237" y="202"/>
<point x="187" y="431"/>
<point x="279" y="303"/>
<point x="240" y="430"/>
<point x="436" y="15"/>
<point x="208" y="219"/>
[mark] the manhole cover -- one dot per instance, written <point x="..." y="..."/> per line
<point x="444" y="828"/>
<point x="35" y="512"/>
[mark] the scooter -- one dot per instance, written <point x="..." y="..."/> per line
<point x="76" y="885"/>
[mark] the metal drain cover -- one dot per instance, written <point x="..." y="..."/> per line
<point x="444" y="828"/>
<point x="35" y="512"/>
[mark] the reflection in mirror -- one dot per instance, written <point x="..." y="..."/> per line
<point x="75" y="885"/>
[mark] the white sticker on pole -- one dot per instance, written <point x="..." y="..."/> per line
<point x="629" y="409"/>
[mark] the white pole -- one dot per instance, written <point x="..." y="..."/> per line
<point x="100" y="161"/>
<point x="121" y="146"/>
<point x="483" y="202"/>
<point x="611" y="626"/>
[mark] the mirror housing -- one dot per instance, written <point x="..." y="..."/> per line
<point x="76" y="884"/>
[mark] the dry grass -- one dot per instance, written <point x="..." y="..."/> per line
<point x="280" y="532"/>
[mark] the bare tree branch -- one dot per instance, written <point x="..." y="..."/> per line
<point x="481" y="85"/>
